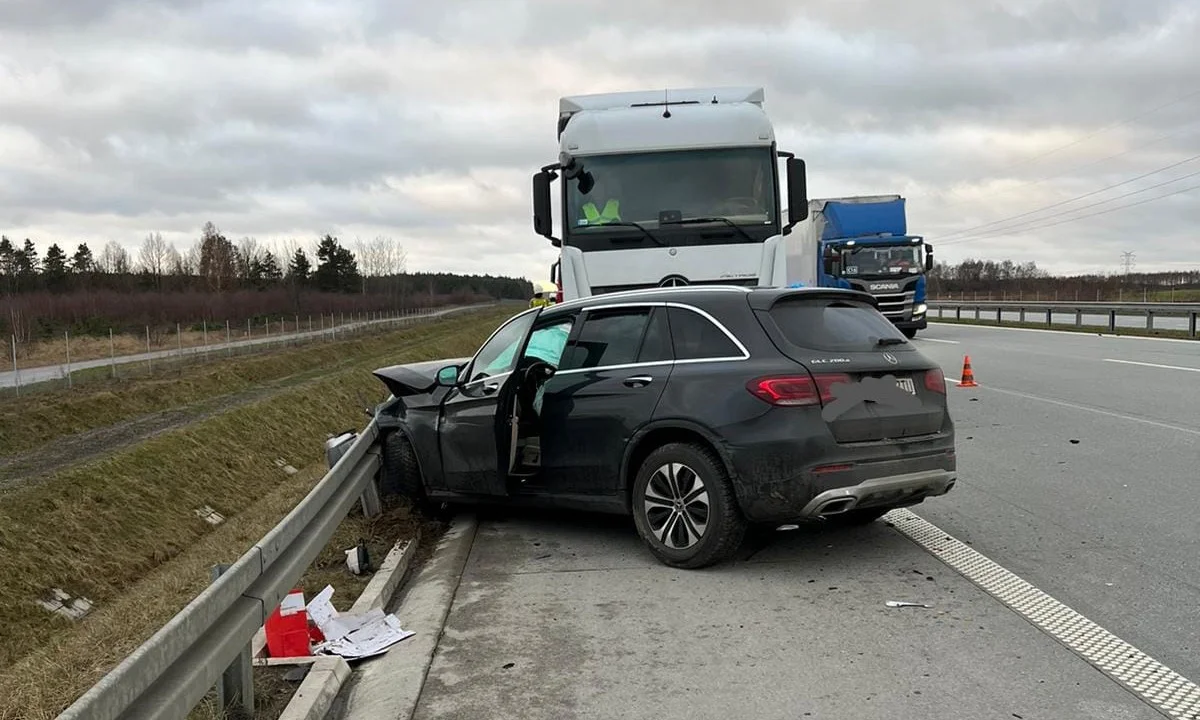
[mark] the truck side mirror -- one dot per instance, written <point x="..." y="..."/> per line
<point x="797" y="191"/>
<point x="543" y="218"/>
<point x="928" y="258"/>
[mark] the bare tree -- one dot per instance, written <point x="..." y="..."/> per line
<point x="114" y="259"/>
<point x="154" y="257"/>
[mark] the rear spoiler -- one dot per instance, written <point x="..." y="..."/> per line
<point x="760" y="300"/>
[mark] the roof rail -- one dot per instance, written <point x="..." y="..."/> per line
<point x="653" y="290"/>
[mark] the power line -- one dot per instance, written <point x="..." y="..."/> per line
<point x="971" y="230"/>
<point x="1030" y="224"/>
<point x="1090" y="215"/>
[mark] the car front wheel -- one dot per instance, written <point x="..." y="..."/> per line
<point x="684" y="507"/>
<point x="401" y="471"/>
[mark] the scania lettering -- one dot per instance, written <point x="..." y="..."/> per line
<point x="667" y="188"/>
<point x="864" y="244"/>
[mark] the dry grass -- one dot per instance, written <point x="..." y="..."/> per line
<point x="29" y="422"/>
<point x="122" y="532"/>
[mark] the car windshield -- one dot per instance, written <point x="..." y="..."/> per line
<point x="867" y="260"/>
<point x="650" y="188"/>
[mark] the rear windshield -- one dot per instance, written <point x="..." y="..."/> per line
<point x="830" y="324"/>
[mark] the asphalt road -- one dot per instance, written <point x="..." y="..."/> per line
<point x="1108" y="523"/>
<point x="1079" y="470"/>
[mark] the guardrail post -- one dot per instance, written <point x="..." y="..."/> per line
<point x="1149" y="319"/>
<point x="1078" y="317"/>
<point x="976" y="313"/>
<point x="1192" y="324"/>
<point x="1022" y="314"/>
<point x="235" y="689"/>
<point x="999" y="315"/>
<point x="958" y="312"/>
<point x="1049" y="317"/>
<point x="1112" y="321"/>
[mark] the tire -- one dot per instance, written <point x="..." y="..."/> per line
<point x="854" y="518"/>
<point x="714" y="517"/>
<point x="401" y="472"/>
<point x="909" y="333"/>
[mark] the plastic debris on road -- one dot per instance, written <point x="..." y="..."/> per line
<point x="354" y="636"/>
<point x="902" y="603"/>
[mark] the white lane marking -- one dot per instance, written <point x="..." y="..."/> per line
<point x="948" y="342"/>
<point x="1153" y="682"/>
<point x="1060" y="332"/>
<point x="1153" y="365"/>
<point x="1098" y="411"/>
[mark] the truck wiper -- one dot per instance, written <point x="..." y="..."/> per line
<point x="890" y="341"/>
<point x="639" y="226"/>
<point x="700" y="220"/>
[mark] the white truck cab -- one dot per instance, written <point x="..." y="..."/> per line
<point x="668" y="187"/>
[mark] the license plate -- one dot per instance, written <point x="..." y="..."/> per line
<point x="906" y="384"/>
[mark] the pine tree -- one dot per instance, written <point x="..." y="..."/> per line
<point x="54" y="268"/>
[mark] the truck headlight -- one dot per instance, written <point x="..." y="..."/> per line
<point x="920" y="309"/>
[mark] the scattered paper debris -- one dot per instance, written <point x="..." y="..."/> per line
<point x="283" y="465"/>
<point x="357" y="558"/>
<point x="208" y="515"/>
<point x="902" y="603"/>
<point x="60" y="601"/>
<point x="354" y="636"/>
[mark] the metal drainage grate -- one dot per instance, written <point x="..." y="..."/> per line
<point x="1146" y="677"/>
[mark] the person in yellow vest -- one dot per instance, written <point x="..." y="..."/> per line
<point x="610" y="190"/>
<point x="539" y="300"/>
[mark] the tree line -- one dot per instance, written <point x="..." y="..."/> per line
<point x="217" y="279"/>
<point x="1005" y="278"/>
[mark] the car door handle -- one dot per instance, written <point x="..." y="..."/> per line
<point x="638" y="381"/>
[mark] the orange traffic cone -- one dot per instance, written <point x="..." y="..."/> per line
<point x="968" y="376"/>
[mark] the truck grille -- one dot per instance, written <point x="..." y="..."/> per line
<point x="895" y="305"/>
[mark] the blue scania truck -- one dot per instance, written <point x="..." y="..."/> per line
<point x="863" y="243"/>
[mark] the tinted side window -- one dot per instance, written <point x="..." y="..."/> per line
<point x="695" y="337"/>
<point x="608" y="337"/>
<point x="825" y="324"/>
<point x="656" y="345"/>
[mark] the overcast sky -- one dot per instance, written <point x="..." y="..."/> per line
<point x="424" y="121"/>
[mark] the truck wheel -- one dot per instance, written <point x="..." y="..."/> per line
<point x="401" y="473"/>
<point x="909" y="333"/>
<point x="684" y="507"/>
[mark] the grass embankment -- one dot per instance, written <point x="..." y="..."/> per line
<point x="122" y="530"/>
<point x="33" y="421"/>
<point x="1089" y="329"/>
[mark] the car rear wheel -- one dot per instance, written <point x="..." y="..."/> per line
<point x="684" y="507"/>
<point x="851" y="518"/>
<point x="401" y="471"/>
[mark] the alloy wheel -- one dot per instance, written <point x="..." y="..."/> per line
<point x="676" y="506"/>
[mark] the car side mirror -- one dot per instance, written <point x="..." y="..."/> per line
<point x="447" y="376"/>
<point x="928" y="258"/>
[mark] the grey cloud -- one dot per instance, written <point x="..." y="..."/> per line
<point x="275" y="117"/>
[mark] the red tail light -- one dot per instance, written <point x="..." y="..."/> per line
<point x="794" y="390"/>
<point x="935" y="381"/>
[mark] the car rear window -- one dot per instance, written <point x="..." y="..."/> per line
<point x="831" y="324"/>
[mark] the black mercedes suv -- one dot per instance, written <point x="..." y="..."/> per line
<point x="698" y="410"/>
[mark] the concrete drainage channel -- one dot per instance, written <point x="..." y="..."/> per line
<point x="327" y="673"/>
<point x="390" y="685"/>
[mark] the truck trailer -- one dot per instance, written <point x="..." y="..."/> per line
<point x="662" y="188"/>
<point x="862" y="242"/>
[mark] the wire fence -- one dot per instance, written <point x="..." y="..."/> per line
<point x="69" y="361"/>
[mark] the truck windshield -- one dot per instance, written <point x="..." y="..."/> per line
<point x="876" y="260"/>
<point x="657" y="188"/>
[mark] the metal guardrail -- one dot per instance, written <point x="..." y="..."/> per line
<point x="207" y="644"/>
<point x="1046" y="310"/>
